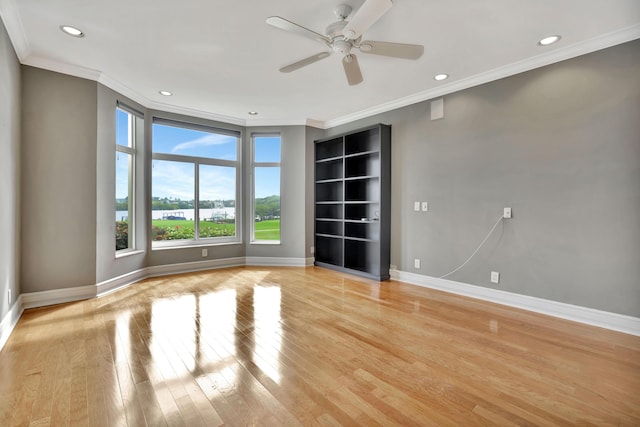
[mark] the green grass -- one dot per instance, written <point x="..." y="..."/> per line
<point x="165" y="223"/>
<point x="267" y="230"/>
<point x="183" y="229"/>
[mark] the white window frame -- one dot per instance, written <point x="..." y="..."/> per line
<point x="197" y="161"/>
<point x="131" y="151"/>
<point x="254" y="165"/>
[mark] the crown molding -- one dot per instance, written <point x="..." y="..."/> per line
<point x="285" y="122"/>
<point x="123" y="90"/>
<point x="19" y="40"/>
<point x="192" y="112"/>
<point x="169" y="108"/>
<point x="560" y="54"/>
<point x="61" y="67"/>
<point x="15" y="29"/>
<point x="316" y="123"/>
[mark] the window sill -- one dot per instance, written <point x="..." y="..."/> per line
<point x="128" y="252"/>
<point x="265" y="242"/>
<point x="183" y="245"/>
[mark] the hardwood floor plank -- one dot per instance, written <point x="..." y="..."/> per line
<point x="60" y="409"/>
<point x="106" y="375"/>
<point x="79" y="414"/>
<point x="309" y="346"/>
<point x="22" y="413"/>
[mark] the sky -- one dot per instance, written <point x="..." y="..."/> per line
<point x="174" y="179"/>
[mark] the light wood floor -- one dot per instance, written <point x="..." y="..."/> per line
<point x="307" y="346"/>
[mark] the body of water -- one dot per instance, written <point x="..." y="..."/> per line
<point x="218" y="213"/>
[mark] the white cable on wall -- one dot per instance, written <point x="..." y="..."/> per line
<point x="476" y="251"/>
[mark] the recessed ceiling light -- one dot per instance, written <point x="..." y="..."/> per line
<point x="549" y="40"/>
<point x="253" y="113"/>
<point x="72" y="31"/>
<point x="165" y="93"/>
<point x="440" y="77"/>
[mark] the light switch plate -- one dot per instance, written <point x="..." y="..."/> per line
<point x="425" y="206"/>
<point x="416" y="206"/>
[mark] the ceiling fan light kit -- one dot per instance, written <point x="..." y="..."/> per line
<point x="344" y="36"/>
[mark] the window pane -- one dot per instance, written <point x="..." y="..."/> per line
<point x="266" y="149"/>
<point x="217" y="206"/>
<point x="172" y="201"/>
<point x="124" y="200"/>
<point x="124" y="128"/>
<point x="190" y="142"/>
<point x="267" y="203"/>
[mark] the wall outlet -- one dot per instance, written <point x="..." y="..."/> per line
<point x="495" y="277"/>
<point x="9" y="297"/>
<point x="507" y="213"/>
<point x="425" y="206"/>
<point x="393" y="267"/>
<point x="205" y="252"/>
<point x="312" y="250"/>
<point x="416" y="263"/>
<point x="416" y="206"/>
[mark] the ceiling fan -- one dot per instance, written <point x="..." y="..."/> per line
<point x="344" y="36"/>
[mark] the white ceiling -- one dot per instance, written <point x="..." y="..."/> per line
<point x="220" y="59"/>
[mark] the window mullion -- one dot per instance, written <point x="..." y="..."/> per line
<point x="196" y="203"/>
<point x="266" y="165"/>
<point x="132" y="204"/>
<point x="123" y="149"/>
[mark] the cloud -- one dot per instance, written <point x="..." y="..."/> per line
<point x="176" y="179"/>
<point x="172" y="179"/>
<point x="202" y="142"/>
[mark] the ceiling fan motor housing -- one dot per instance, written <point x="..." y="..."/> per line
<point x="341" y="46"/>
<point x="335" y="29"/>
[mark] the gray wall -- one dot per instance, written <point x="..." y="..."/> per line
<point x="312" y="134"/>
<point x="58" y="242"/>
<point x="292" y="193"/>
<point x="561" y="146"/>
<point x="9" y="172"/>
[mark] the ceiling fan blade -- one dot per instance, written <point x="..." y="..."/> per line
<point x="365" y="17"/>
<point x="304" y="62"/>
<point x="283" y="24"/>
<point x="352" y="69"/>
<point x="395" y="50"/>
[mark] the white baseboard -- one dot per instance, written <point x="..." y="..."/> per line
<point x="589" y="316"/>
<point x="57" y="296"/>
<point x="10" y="321"/>
<point x="111" y="285"/>
<point x="278" y="262"/>
<point x="189" y="267"/>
